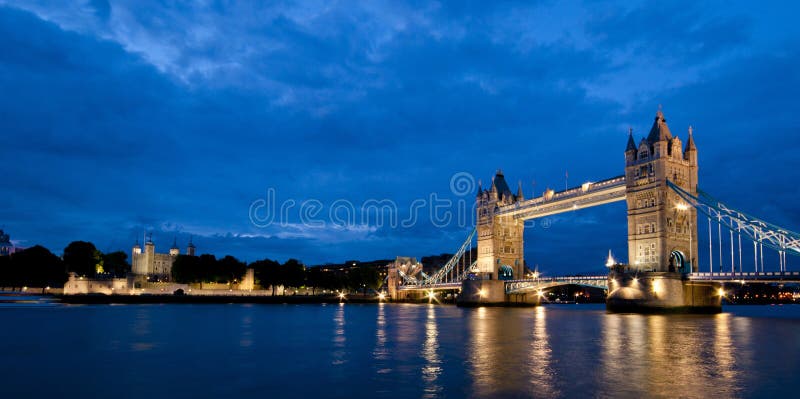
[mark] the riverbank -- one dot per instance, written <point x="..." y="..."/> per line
<point x="210" y="299"/>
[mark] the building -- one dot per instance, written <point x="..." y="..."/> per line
<point x="500" y="254"/>
<point x="661" y="228"/>
<point x="98" y="285"/>
<point x="6" y="247"/>
<point x="154" y="266"/>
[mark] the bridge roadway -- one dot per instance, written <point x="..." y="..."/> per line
<point x="519" y="286"/>
<point x="542" y="283"/>
<point x="761" y="277"/>
<point x="585" y="196"/>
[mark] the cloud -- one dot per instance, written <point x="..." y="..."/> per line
<point x="175" y="117"/>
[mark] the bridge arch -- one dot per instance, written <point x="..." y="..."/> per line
<point x="505" y="273"/>
<point x="677" y="260"/>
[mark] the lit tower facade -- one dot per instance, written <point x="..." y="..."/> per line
<point x="174" y="250"/>
<point x="662" y="230"/>
<point x="190" y="249"/>
<point x="500" y="250"/>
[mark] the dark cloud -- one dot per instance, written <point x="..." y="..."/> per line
<point x="173" y="119"/>
<point x="672" y="33"/>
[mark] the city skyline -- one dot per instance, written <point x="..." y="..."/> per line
<point x="122" y="123"/>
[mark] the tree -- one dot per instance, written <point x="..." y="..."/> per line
<point x="38" y="267"/>
<point x="82" y="258"/>
<point x="321" y="278"/>
<point x="364" y="279"/>
<point x="230" y="269"/>
<point x="268" y="273"/>
<point x="116" y="263"/>
<point x="8" y="275"/>
<point x="314" y="278"/>
<point x="186" y="269"/>
<point x="207" y="268"/>
<point x="294" y="273"/>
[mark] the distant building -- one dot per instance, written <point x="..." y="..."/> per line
<point x="6" y="247"/>
<point x="155" y="266"/>
<point x="98" y="285"/>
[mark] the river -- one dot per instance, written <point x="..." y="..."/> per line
<point x="394" y="351"/>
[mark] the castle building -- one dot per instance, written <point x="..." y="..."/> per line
<point x="660" y="226"/>
<point x="155" y="266"/>
<point x="6" y="247"/>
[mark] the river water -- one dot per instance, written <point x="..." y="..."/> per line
<point x="394" y="351"/>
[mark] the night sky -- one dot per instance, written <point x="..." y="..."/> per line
<point x="124" y="117"/>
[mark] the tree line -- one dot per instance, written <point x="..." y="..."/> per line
<point x="38" y="267"/>
<point x="271" y="274"/>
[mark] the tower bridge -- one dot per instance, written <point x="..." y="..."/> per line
<point x="660" y="188"/>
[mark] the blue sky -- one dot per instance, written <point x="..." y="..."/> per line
<point x="124" y="117"/>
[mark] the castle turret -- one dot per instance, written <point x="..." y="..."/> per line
<point x="660" y="136"/>
<point x="149" y="246"/>
<point x="174" y="250"/>
<point x="190" y="249"/>
<point x="690" y="154"/>
<point x="6" y="247"/>
<point x="138" y="265"/>
<point x="630" y="150"/>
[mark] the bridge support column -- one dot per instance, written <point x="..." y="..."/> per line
<point x="660" y="292"/>
<point x="492" y="293"/>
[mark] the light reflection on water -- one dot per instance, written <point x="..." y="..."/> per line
<point x="391" y="350"/>
<point x="540" y="366"/>
<point x="339" y="337"/>
<point x="432" y="367"/>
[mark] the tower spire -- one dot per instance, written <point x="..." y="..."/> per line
<point x="690" y="146"/>
<point x="631" y="144"/>
<point x="660" y="130"/>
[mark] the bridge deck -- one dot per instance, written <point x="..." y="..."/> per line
<point x="784" y="277"/>
<point x="585" y="196"/>
<point x="518" y="286"/>
<point x="431" y="287"/>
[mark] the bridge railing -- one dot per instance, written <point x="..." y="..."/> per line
<point x="761" y="233"/>
<point x="746" y="276"/>
<point x="440" y="286"/>
<point x="556" y="202"/>
<point x="440" y="276"/>
<point x="513" y="286"/>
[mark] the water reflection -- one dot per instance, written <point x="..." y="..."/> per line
<point x="496" y="352"/>
<point x="481" y="353"/>
<point x="541" y="373"/>
<point x="339" y="339"/>
<point x="667" y="356"/>
<point x="432" y="368"/>
<point x="723" y="348"/>
<point x="143" y="340"/>
<point x="380" y="354"/>
<point x="246" y="339"/>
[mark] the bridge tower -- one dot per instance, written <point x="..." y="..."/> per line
<point x="662" y="230"/>
<point x="500" y="250"/>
